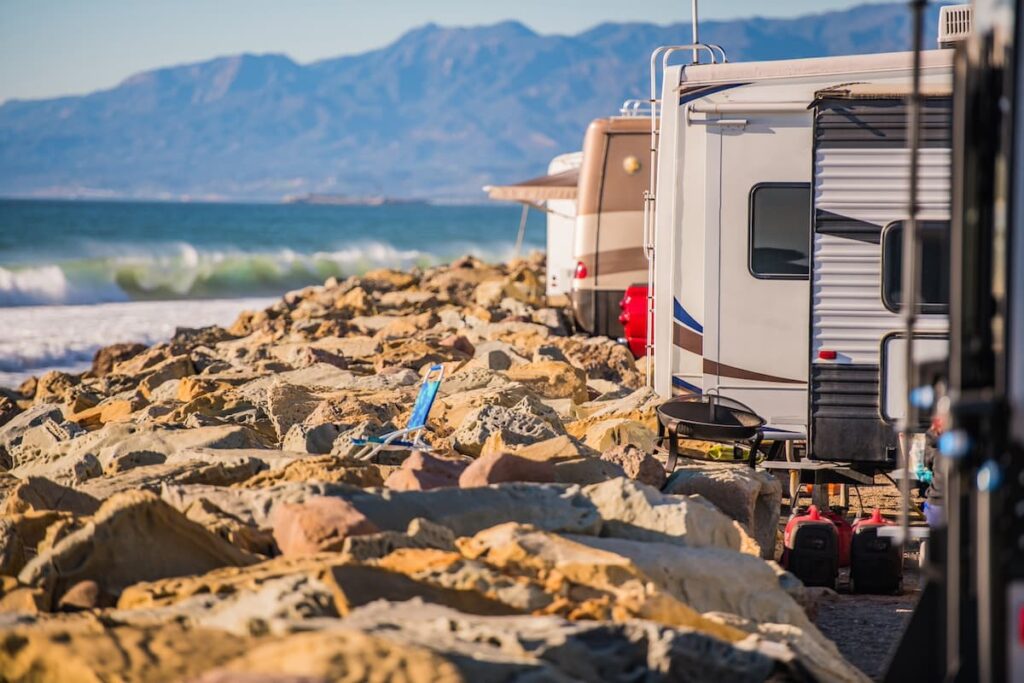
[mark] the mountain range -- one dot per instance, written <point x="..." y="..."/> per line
<point x="437" y="114"/>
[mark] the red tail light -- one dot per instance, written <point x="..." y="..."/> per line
<point x="827" y="354"/>
<point x="581" y="270"/>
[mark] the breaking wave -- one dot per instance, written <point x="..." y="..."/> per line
<point x="181" y="271"/>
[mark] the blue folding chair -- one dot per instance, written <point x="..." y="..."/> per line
<point x="417" y="421"/>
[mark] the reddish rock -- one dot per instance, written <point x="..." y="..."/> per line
<point x="496" y="468"/>
<point x="422" y="471"/>
<point x="318" y="524"/>
<point x="637" y="463"/>
<point x="83" y="595"/>
<point x="459" y="343"/>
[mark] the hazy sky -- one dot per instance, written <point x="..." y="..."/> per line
<point x="57" y="47"/>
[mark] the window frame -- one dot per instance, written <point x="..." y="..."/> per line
<point x="750" y="228"/>
<point x="892" y="306"/>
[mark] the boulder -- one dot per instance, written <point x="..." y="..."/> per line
<point x="422" y="471"/>
<point x="54" y="385"/>
<point x="170" y="369"/>
<point x="609" y="434"/>
<point x="601" y="358"/>
<point x="156" y="446"/>
<point x="517" y="426"/>
<point x="497" y="468"/>
<point x="311" y="439"/>
<point x="288" y="405"/>
<point x="317" y="524"/>
<point x="562" y="447"/>
<point x="71" y="469"/>
<point x="551" y="379"/>
<point x="638" y="512"/>
<point x="37" y="493"/>
<point x="750" y="497"/>
<point x="133" y="537"/>
<point x="106" y="358"/>
<point x="638" y="464"/>
<point x="585" y="471"/>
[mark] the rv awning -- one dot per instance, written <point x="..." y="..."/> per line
<point x="535" y="190"/>
<point x="875" y="91"/>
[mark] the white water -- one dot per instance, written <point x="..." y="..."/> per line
<point x="35" y="339"/>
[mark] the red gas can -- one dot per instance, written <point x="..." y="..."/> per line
<point x="845" y="531"/>
<point x="876" y="562"/>
<point x="811" y="548"/>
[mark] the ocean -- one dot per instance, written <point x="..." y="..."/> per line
<point x="75" y="276"/>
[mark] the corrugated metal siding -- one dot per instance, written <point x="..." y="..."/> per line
<point x="856" y="124"/>
<point x="857" y="189"/>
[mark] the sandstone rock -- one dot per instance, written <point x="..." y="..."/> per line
<point x="750" y="497"/>
<point x="82" y="595"/>
<point x="601" y="358"/>
<point x="172" y="368"/>
<point x="325" y="468"/>
<point x="585" y="471"/>
<point x="37" y="493"/>
<point x="305" y="439"/>
<point x="225" y="472"/>
<point x="606" y="435"/>
<point x="156" y="446"/>
<point x="551" y="379"/>
<point x="422" y="471"/>
<point x="516" y="426"/>
<point x="638" y="464"/>
<point x="317" y="524"/>
<point x="13" y="432"/>
<point x="488" y="294"/>
<point x="109" y="356"/>
<point x="638" y="512"/>
<point x="40" y="439"/>
<point x="413" y="354"/>
<point x="497" y="468"/>
<point x="133" y="537"/>
<point x="334" y="655"/>
<point x="562" y="447"/>
<point x="287" y="405"/>
<point x="53" y="386"/>
<point x="85" y="650"/>
<point x="71" y="469"/>
<point x="459" y="343"/>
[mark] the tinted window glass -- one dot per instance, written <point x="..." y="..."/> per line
<point x="934" y="288"/>
<point x="780" y="230"/>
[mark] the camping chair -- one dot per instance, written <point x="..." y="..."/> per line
<point x="417" y="421"/>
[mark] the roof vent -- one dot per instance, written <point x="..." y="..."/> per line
<point x="954" y="24"/>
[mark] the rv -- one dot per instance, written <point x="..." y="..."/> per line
<point x="780" y="191"/>
<point x="608" y="240"/>
<point x="554" y="194"/>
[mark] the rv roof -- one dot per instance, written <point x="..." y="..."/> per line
<point x="804" y="68"/>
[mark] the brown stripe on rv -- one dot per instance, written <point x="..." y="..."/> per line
<point x="615" y="261"/>
<point x="691" y="341"/>
<point x="688" y="340"/>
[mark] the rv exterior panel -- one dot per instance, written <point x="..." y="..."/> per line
<point x="861" y="182"/>
<point x="608" y="240"/>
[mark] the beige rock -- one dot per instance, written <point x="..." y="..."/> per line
<point x="637" y="464"/>
<point x="606" y="435"/>
<point x="172" y="368"/>
<point x="109" y="356"/>
<point x="750" y="497"/>
<point x="325" y="468"/>
<point x="134" y="537"/>
<point x="585" y="471"/>
<point x="53" y="386"/>
<point x="632" y="510"/>
<point x="37" y="493"/>
<point x="562" y="447"/>
<point x="551" y="379"/>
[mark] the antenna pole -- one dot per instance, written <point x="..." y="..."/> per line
<point x="696" y="32"/>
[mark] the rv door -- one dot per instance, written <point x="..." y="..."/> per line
<point x="756" y="299"/>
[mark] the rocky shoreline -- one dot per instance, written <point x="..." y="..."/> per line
<point x="195" y="511"/>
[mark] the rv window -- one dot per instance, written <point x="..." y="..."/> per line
<point x="934" y="287"/>
<point x="780" y="229"/>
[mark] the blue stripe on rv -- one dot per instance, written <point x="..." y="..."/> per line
<point x="685" y="318"/>
<point x="699" y="92"/>
<point x="683" y="384"/>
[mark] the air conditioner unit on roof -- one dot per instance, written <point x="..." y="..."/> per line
<point x="954" y="24"/>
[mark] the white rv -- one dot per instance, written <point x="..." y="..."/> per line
<point x="779" y="195"/>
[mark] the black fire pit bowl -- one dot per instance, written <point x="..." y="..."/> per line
<point x="709" y="417"/>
